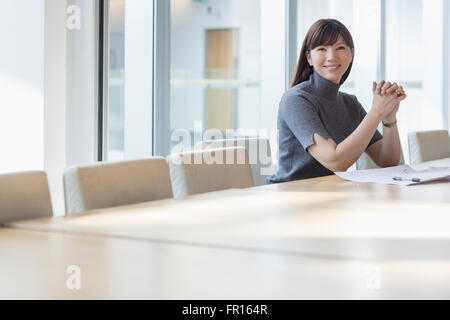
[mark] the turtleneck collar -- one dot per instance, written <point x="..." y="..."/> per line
<point x="324" y="87"/>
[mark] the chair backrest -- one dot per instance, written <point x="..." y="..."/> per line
<point x="366" y="162"/>
<point x="209" y="170"/>
<point x="24" y="195"/>
<point x="428" y="145"/>
<point x="258" y="150"/>
<point x="109" y="184"/>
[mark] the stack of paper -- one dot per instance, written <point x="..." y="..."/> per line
<point x="401" y="175"/>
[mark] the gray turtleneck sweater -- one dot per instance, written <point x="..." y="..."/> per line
<point x="313" y="106"/>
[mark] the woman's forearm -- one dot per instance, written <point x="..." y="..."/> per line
<point x="349" y="150"/>
<point x="389" y="154"/>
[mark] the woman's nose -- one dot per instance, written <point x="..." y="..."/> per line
<point x="331" y="54"/>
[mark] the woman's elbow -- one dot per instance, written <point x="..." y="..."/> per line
<point x="336" y="165"/>
<point x="339" y="167"/>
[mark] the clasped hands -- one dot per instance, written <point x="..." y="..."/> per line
<point x="386" y="99"/>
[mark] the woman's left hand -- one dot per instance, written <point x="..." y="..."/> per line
<point x="386" y="89"/>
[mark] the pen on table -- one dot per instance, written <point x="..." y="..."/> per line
<point x="406" y="179"/>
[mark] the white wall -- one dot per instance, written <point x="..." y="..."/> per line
<point x="32" y="90"/>
<point x="55" y="99"/>
<point x="70" y="92"/>
<point x="81" y="87"/>
<point x="22" y="85"/>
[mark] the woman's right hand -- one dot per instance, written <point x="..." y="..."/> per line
<point x="385" y="98"/>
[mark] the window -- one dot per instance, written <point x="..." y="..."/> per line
<point x="116" y="84"/>
<point x="128" y="113"/>
<point x="414" y="58"/>
<point x="227" y="68"/>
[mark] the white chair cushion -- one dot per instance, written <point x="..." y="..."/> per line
<point x="209" y="170"/>
<point x="109" y="184"/>
<point x="24" y="195"/>
<point x="428" y="145"/>
<point x="259" y="154"/>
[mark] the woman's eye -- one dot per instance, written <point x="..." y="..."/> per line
<point x="321" y="49"/>
<point x="341" y="48"/>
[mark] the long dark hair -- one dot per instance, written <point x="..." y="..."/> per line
<point x="323" y="32"/>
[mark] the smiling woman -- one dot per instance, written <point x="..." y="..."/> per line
<point x="332" y="61"/>
<point x="323" y="130"/>
<point x="325" y="48"/>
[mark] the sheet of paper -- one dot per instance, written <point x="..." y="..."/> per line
<point x="405" y="173"/>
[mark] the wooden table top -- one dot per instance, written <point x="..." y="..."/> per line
<point x="35" y="265"/>
<point x="322" y="217"/>
<point x="323" y="238"/>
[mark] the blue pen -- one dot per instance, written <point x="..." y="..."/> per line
<point x="406" y="179"/>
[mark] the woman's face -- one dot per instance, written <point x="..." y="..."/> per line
<point x="331" y="62"/>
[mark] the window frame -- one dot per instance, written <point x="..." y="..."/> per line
<point x="161" y="69"/>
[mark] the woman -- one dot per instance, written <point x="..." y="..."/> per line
<point x="323" y="130"/>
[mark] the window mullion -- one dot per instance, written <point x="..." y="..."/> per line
<point x="161" y="77"/>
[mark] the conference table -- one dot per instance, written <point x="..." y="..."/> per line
<point x="322" y="238"/>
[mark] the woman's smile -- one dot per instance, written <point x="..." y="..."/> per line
<point x="332" y="67"/>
